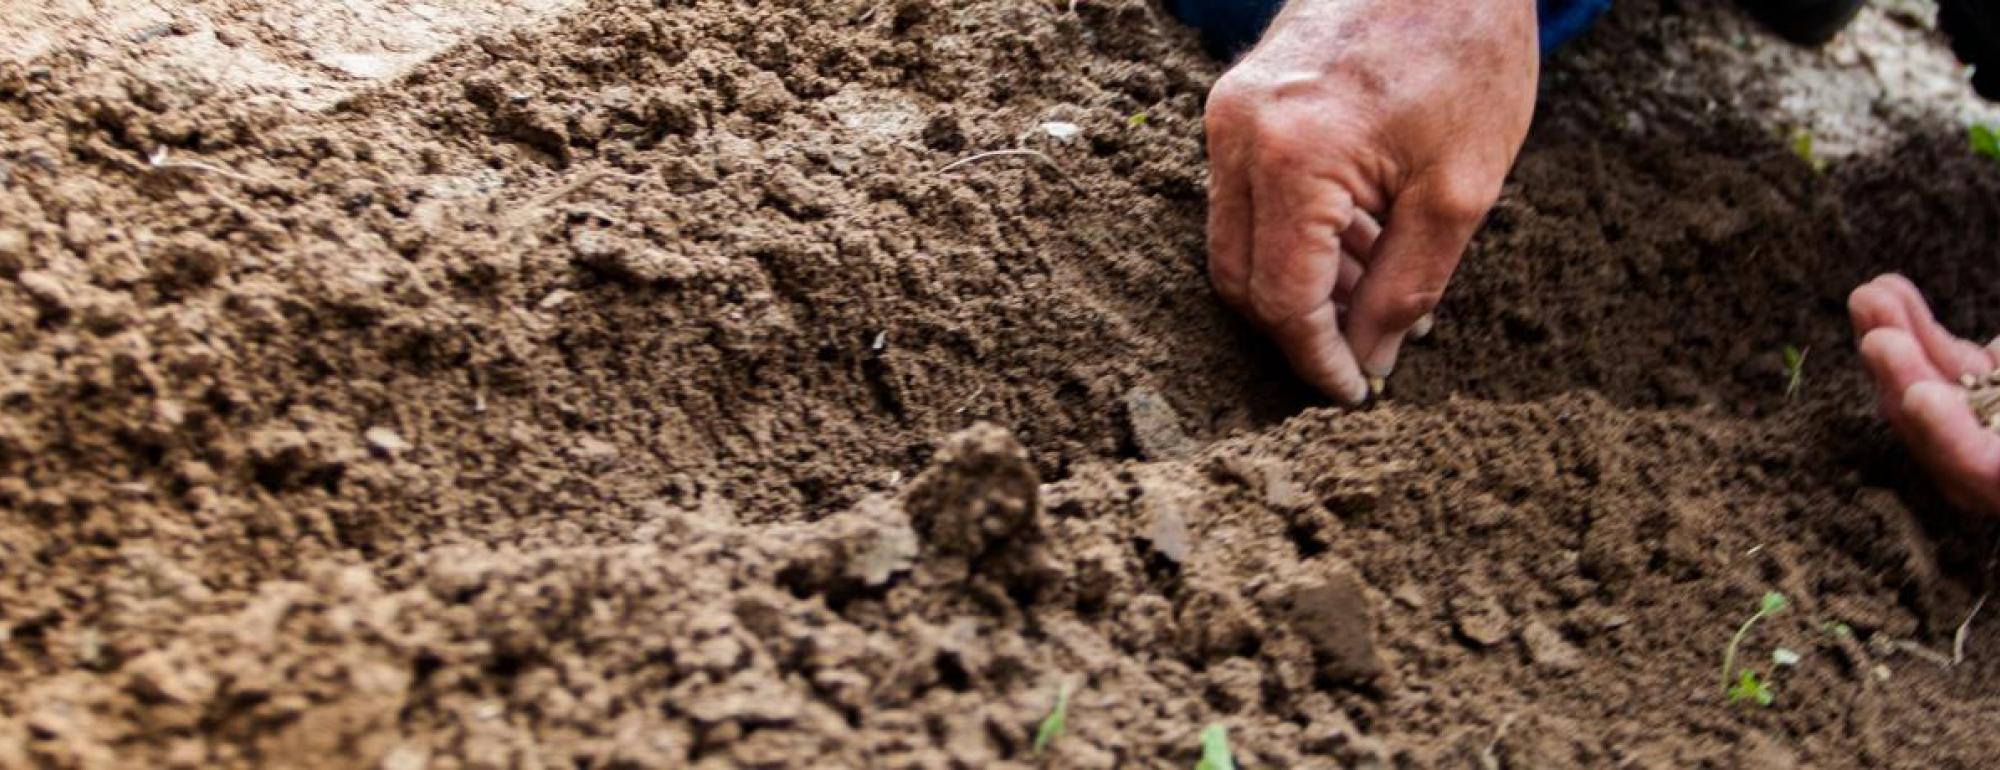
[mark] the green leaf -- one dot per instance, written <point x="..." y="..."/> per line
<point x="1749" y="688"/>
<point x="1052" y="725"/>
<point x="1793" y="358"/>
<point x="1772" y="603"/>
<point x="1985" y="140"/>
<point x="1138" y="119"/>
<point x="1802" y="146"/>
<point x="1215" y="754"/>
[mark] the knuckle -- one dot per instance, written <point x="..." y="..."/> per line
<point x="1401" y="310"/>
<point x="1267" y="311"/>
<point x="1464" y="201"/>
<point x="1231" y="105"/>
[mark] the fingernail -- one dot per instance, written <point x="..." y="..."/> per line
<point x="1382" y="361"/>
<point x="1354" y="392"/>
<point x="1423" y="327"/>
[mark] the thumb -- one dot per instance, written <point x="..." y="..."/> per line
<point x="1428" y="228"/>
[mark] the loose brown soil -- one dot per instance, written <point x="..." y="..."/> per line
<point x="633" y="390"/>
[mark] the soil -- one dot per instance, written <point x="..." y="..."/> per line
<point x="632" y="388"/>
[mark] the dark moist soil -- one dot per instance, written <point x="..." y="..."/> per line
<point x="634" y="390"/>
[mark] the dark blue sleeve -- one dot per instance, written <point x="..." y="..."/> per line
<point x="1229" y="26"/>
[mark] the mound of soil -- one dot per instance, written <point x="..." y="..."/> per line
<point x="642" y="389"/>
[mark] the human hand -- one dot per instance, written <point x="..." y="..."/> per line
<point x="1347" y="109"/>
<point x="1916" y="364"/>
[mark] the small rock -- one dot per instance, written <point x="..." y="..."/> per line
<point x="385" y="441"/>
<point x="596" y="449"/>
<point x="156" y="677"/>
<point x="1164" y="502"/>
<point x="883" y="549"/>
<point x="1156" y="428"/>
<point x="13" y="250"/>
<point x="1549" y="650"/>
<point x="48" y="290"/>
<point x="81" y="231"/>
<point x="1479" y="619"/>
<point x="1282" y="491"/>
<point x="554" y="300"/>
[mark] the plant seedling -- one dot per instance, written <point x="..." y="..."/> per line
<point x="1795" y="369"/>
<point x="1737" y="687"/>
<point x="1215" y="754"/>
<point x="1802" y="146"/>
<point x="1138" y="119"/>
<point x="1749" y="688"/>
<point x="1052" y="725"/>
<point x="1985" y="140"/>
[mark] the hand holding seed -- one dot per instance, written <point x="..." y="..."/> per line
<point x="1938" y="391"/>
<point x="1348" y="111"/>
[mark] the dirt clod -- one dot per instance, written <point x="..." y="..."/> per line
<point x="1332" y="610"/>
<point x="979" y="495"/>
<point x="621" y="385"/>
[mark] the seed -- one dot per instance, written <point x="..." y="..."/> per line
<point x="1967" y="381"/>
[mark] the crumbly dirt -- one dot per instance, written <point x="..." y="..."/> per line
<point x="634" y="389"/>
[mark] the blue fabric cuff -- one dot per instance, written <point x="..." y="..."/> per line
<point x="1229" y="26"/>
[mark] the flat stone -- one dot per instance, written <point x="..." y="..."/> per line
<point x="1333" y="613"/>
<point x="1156" y="427"/>
<point x="1548" y="650"/>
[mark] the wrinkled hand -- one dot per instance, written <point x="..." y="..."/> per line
<point x="1349" y="113"/>
<point x="1915" y="364"/>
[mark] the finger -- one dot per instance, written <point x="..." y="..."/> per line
<point x="1229" y="221"/>
<point x="1872" y="306"/>
<point x="1419" y="248"/>
<point x="1351" y="271"/>
<point x="1361" y="234"/>
<point x="1896" y="363"/>
<point x="1295" y="265"/>
<point x="1317" y="351"/>
<point x="1952" y="355"/>
<point x="1422" y="328"/>
<point x="1947" y="438"/>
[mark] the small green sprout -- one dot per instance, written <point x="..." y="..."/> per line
<point x="1749" y="688"/>
<point x="1215" y="754"/>
<point x="1795" y="369"/>
<point x="1138" y="119"/>
<point x="1985" y="140"/>
<point x="1802" y="146"/>
<point x="1737" y="686"/>
<point x="1052" y="725"/>
<point x="1839" y="629"/>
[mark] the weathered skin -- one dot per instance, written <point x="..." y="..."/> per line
<point x="1348" y="113"/>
